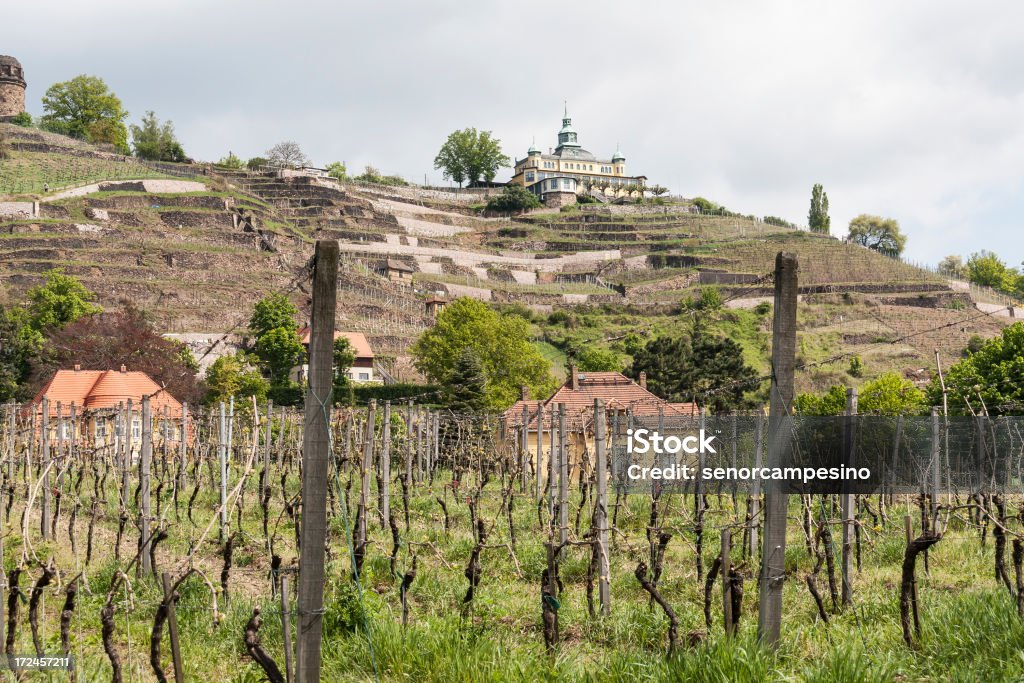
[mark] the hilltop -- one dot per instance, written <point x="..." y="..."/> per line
<point x="196" y="246"/>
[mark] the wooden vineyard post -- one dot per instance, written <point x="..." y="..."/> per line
<point x="552" y="466"/>
<point x="846" y="499"/>
<point x="419" y="445"/>
<point x="726" y="567"/>
<point x="755" y="487"/>
<point x="222" y="459"/>
<point x="563" y="478"/>
<point x="601" y="512"/>
<point x="267" y="436"/>
<point x="936" y="457"/>
<point x="183" y="446"/>
<point x="316" y="456"/>
<point x="126" y="451"/>
<point x="145" y="464"/>
<point x="364" y="473"/>
<point x="540" y="451"/>
<point x="172" y="629"/>
<point x="408" y="445"/>
<point x="908" y="530"/>
<point x="45" y="449"/>
<point x="385" y="468"/>
<point x="776" y="503"/>
<point x="435" y="447"/>
<point x="286" y="630"/>
<point x="524" y="449"/>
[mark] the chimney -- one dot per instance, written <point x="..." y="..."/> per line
<point x="524" y="393"/>
<point x="574" y="378"/>
<point x="78" y="367"/>
<point x="123" y="368"/>
<point x="643" y="379"/>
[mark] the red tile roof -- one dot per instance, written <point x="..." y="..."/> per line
<point x="357" y="339"/>
<point x="616" y="390"/>
<point x="98" y="389"/>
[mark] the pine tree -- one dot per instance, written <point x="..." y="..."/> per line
<point x="817" y="218"/>
<point x="465" y="390"/>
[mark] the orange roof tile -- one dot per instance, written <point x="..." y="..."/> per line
<point x="98" y="389"/>
<point x="616" y="390"/>
<point x="357" y="339"/>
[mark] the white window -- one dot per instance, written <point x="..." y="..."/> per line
<point x="136" y="428"/>
<point x="364" y="376"/>
<point x="101" y="429"/>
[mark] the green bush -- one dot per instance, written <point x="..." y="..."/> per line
<point x="24" y="119"/>
<point x="513" y="199"/>
<point x="364" y="393"/>
<point x="287" y="394"/>
<point x="763" y="308"/>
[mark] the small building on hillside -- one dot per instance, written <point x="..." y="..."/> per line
<point x="435" y="303"/>
<point x="620" y="395"/>
<point x="398" y="270"/>
<point x="362" y="370"/>
<point x="101" y="400"/>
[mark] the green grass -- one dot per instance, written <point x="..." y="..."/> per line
<point x="26" y="173"/>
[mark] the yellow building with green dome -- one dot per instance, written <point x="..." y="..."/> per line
<point x="569" y="168"/>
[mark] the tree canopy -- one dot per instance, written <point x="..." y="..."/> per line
<point x="465" y="391"/>
<point x="274" y="310"/>
<point x="61" y="300"/>
<point x="992" y="375"/>
<point x="500" y="342"/>
<point x="235" y="375"/>
<point x="700" y="367"/>
<point x="19" y="344"/>
<point x="155" y="141"/>
<point x="818" y="219"/>
<point x="590" y="358"/>
<point x="287" y="154"/>
<point x="880" y="234"/>
<point x="469" y="156"/>
<point x="85" y="108"/>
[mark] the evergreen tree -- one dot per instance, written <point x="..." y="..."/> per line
<point x="465" y="390"/>
<point x="702" y="368"/>
<point x="818" y="219"/>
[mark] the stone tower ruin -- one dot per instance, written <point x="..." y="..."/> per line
<point x="12" y="88"/>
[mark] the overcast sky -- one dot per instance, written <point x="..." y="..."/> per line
<point x="913" y="110"/>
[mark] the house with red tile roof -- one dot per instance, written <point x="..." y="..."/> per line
<point x="362" y="370"/>
<point x="620" y="394"/>
<point x="97" y="396"/>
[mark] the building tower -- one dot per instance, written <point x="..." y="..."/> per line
<point x="567" y="136"/>
<point x="12" y="88"/>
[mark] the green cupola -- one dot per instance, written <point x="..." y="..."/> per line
<point x="617" y="157"/>
<point x="567" y="136"/>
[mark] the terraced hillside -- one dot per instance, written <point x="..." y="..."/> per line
<point x="197" y="254"/>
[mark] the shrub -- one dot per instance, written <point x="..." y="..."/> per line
<point x="763" y="308"/>
<point x="24" y="119"/>
<point x="513" y="199"/>
<point x="856" y="368"/>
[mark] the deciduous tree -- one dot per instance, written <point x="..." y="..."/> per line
<point x="501" y="342"/>
<point x="155" y="141"/>
<point x="469" y="156"/>
<point x="85" y="108"/>
<point x="880" y="234"/>
<point x="992" y="375"/>
<point x="818" y="219"/>
<point x="287" y="154"/>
